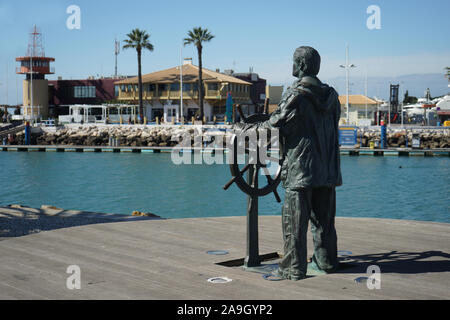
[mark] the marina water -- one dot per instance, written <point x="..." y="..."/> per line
<point x="413" y="188"/>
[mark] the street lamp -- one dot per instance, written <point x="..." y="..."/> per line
<point x="402" y="97"/>
<point x="347" y="67"/>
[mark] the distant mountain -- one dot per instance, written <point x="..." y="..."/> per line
<point x="416" y="84"/>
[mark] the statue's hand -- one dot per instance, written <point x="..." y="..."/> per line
<point x="238" y="126"/>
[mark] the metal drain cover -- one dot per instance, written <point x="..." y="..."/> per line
<point x="217" y="252"/>
<point x="219" y="280"/>
<point x="361" y="279"/>
<point x="344" y="253"/>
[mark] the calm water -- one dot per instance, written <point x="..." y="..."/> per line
<point x="123" y="182"/>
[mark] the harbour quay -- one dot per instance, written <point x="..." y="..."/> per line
<point x="156" y="149"/>
<point x="129" y="257"/>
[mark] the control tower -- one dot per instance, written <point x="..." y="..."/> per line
<point x="35" y="65"/>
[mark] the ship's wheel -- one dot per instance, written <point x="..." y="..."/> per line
<point x="258" y="169"/>
<point x="255" y="169"/>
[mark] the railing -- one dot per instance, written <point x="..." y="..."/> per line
<point x="163" y="94"/>
<point x="148" y="94"/>
<point x="213" y="93"/>
<point x="125" y="95"/>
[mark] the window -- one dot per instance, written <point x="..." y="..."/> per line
<point x="213" y="86"/>
<point x="175" y="86"/>
<point x="116" y="91"/>
<point x="219" y="110"/>
<point x="136" y="88"/>
<point x="66" y="91"/>
<point x="129" y="88"/>
<point x="122" y="88"/>
<point x="195" y="86"/>
<point x="187" y="86"/>
<point x="162" y="87"/>
<point x="151" y="87"/>
<point x="84" y="92"/>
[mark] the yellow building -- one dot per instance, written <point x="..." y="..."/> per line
<point x="162" y="94"/>
<point x="358" y="104"/>
<point x="274" y="93"/>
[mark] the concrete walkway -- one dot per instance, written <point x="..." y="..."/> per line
<point x="141" y="258"/>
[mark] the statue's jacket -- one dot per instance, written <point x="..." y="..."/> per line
<point x="308" y="120"/>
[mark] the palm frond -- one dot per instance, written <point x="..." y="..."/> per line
<point x="198" y="36"/>
<point x="138" y="39"/>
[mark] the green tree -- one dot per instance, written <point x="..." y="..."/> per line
<point x="139" y="40"/>
<point x="197" y="36"/>
<point x="409" y="99"/>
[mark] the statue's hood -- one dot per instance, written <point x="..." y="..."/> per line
<point x="320" y="94"/>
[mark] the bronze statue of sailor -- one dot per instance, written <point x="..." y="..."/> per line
<point x="308" y="121"/>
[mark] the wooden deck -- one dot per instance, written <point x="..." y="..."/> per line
<point x="167" y="259"/>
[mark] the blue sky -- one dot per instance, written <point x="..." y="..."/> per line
<point x="413" y="38"/>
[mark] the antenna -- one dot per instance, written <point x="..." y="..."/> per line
<point x="35" y="47"/>
<point x="116" y="53"/>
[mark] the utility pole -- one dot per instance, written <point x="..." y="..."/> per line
<point x="116" y="53"/>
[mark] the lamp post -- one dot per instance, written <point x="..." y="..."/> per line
<point x="181" y="82"/>
<point x="31" y="85"/>
<point x="403" y="98"/>
<point x="347" y="67"/>
<point x="365" y="91"/>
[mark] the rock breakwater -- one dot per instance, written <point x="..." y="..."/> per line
<point x="401" y="138"/>
<point x="142" y="136"/>
<point x="170" y="136"/>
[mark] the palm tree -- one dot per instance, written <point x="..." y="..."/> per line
<point x="197" y="36"/>
<point x="139" y="39"/>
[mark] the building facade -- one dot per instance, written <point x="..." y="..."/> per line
<point x="63" y="93"/>
<point x="361" y="107"/>
<point x="164" y="98"/>
<point x="257" y="91"/>
<point x="274" y="93"/>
